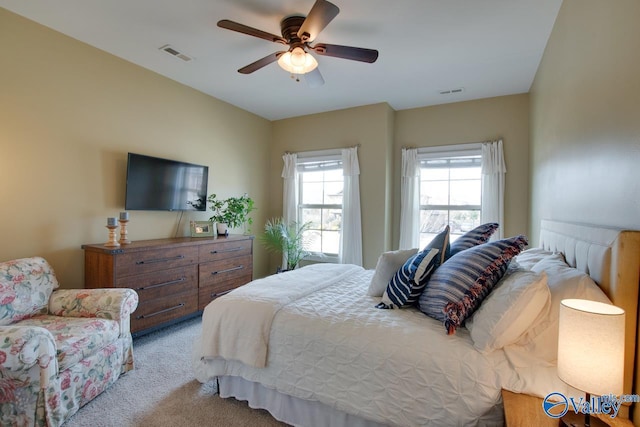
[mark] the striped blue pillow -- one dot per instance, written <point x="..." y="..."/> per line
<point x="440" y="242"/>
<point x="458" y="286"/>
<point x="407" y="284"/>
<point x="475" y="237"/>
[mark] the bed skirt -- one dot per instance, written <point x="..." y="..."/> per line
<point x="302" y="412"/>
<point x="288" y="409"/>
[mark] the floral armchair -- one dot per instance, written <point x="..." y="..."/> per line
<point x="58" y="348"/>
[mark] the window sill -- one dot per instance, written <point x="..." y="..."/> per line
<point x="320" y="257"/>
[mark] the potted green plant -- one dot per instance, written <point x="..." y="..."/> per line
<point x="288" y="239"/>
<point x="231" y="213"/>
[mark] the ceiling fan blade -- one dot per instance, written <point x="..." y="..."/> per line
<point x="319" y="17"/>
<point x="346" y="52"/>
<point x="241" y="28"/>
<point x="314" y="78"/>
<point x="263" y="62"/>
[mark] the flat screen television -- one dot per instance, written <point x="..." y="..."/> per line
<point x="155" y="184"/>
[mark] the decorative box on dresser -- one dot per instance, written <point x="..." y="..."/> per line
<point x="175" y="278"/>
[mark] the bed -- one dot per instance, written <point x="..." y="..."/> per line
<point x="309" y="347"/>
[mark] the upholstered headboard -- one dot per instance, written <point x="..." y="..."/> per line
<point x="612" y="258"/>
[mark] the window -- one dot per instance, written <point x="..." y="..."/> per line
<point x="450" y="193"/>
<point x="321" y="185"/>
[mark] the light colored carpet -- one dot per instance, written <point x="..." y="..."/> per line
<point x="162" y="391"/>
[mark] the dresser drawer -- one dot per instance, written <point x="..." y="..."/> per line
<point x="213" y="291"/>
<point x="223" y="250"/>
<point x="140" y="262"/>
<point x="211" y="273"/>
<point x="156" y="311"/>
<point x="161" y="283"/>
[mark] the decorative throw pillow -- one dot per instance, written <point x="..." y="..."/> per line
<point x="441" y="243"/>
<point x="479" y="235"/>
<point x="509" y="310"/>
<point x="388" y="264"/>
<point x="531" y="257"/>
<point x="409" y="281"/>
<point x="564" y="282"/>
<point x="458" y="286"/>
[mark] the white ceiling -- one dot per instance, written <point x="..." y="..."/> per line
<point x="488" y="47"/>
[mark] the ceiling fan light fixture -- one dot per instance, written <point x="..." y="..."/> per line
<point x="297" y="61"/>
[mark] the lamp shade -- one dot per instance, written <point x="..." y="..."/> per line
<point x="591" y="346"/>
<point x="297" y="61"/>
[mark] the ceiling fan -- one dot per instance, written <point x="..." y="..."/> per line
<point x="298" y="32"/>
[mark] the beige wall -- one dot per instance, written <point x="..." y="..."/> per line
<point x="72" y="112"/>
<point x="371" y="126"/>
<point x="505" y="117"/>
<point x="383" y="132"/>
<point x="69" y="113"/>
<point x="585" y="117"/>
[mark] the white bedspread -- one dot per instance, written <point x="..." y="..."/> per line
<point x="391" y="366"/>
<point x="238" y="325"/>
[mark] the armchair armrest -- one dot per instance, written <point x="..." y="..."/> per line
<point x="23" y="347"/>
<point x="107" y="303"/>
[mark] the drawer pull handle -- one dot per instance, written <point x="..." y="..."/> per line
<point x="226" y="250"/>
<point x="240" y="267"/>
<point x="146" y="316"/>
<point x="219" y="294"/>
<point x="158" y="285"/>
<point x="153" y="261"/>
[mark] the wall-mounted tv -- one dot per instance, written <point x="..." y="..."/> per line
<point x="155" y="184"/>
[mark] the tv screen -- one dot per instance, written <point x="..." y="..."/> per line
<point x="155" y="184"/>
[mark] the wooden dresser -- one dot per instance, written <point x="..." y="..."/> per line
<point x="174" y="278"/>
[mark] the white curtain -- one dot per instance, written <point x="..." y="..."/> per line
<point x="493" y="170"/>
<point x="289" y="193"/>
<point x="410" y="200"/>
<point x="351" y="235"/>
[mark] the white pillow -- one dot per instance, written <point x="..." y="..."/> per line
<point x="564" y="282"/>
<point x="530" y="257"/>
<point x="509" y="310"/>
<point x="388" y="264"/>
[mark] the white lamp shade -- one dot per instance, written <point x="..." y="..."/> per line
<point x="591" y="346"/>
<point x="297" y="61"/>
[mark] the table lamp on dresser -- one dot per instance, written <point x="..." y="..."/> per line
<point x="590" y="354"/>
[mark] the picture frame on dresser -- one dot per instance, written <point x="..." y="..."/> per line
<point x="202" y="229"/>
<point x="175" y="278"/>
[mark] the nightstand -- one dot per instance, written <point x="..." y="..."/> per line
<point x="522" y="410"/>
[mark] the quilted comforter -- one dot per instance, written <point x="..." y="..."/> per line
<point x="396" y="367"/>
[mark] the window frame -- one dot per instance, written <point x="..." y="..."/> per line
<point x="325" y="156"/>
<point x="426" y="154"/>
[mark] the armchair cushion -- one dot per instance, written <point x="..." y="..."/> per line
<point x="25" y="287"/>
<point x="76" y="338"/>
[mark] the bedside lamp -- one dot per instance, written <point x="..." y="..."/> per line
<point x="590" y="351"/>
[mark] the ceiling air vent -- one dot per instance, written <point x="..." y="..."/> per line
<point x="451" y="91"/>
<point x="175" y="52"/>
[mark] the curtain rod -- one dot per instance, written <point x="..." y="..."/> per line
<point x="464" y="144"/>
<point x="461" y="145"/>
<point x="326" y="149"/>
